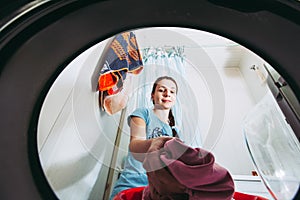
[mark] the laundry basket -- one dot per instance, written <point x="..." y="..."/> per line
<point x="137" y="193"/>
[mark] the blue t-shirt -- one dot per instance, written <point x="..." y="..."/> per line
<point x="134" y="175"/>
<point x="154" y="126"/>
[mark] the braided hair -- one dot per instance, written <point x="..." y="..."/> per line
<point x="171" y="116"/>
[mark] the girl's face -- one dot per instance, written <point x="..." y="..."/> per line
<point x="164" y="96"/>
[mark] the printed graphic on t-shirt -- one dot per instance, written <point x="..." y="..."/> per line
<point x="157" y="132"/>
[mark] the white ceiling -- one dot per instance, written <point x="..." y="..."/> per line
<point x="222" y="51"/>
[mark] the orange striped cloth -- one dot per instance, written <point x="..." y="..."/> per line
<point x="120" y="57"/>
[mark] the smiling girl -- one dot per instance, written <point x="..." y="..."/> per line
<point x="150" y="128"/>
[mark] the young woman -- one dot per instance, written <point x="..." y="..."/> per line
<point x="150" y="128"/>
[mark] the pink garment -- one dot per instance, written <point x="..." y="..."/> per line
<point x="193" y="168"/>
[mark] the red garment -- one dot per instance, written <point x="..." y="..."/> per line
<point x="193" y="168"/>
<point x="137" y="193"/>
<point x="130" y="194"/>
<point x="243" y="196"/>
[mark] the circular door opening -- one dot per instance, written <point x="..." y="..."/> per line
<point x="223" y="89"/>
<point x="45" y="39"/>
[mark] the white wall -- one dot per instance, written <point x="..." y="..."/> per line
<point x="230" y="149"/>
<point x="244" y="89"/>
<point x="256" y="86"/>
<point x="75" y="145"/>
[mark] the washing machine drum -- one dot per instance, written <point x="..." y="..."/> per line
<point x="39" y="39"/>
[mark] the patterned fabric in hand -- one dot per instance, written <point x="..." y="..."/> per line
<point x="121" y="56"/>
